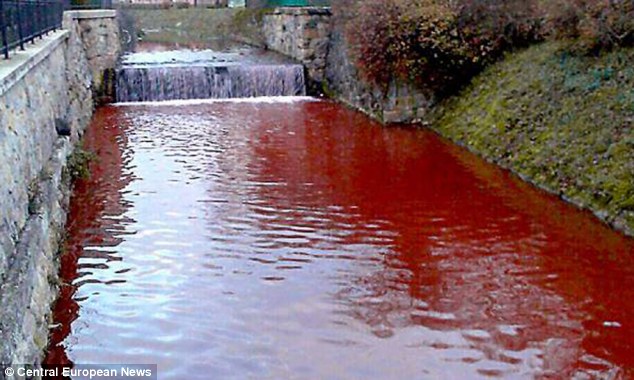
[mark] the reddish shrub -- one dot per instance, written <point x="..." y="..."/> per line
<point x="438" y="44"/>
<point x="595" y="24"/>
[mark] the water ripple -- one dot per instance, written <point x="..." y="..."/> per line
<point x="302" y="240"/>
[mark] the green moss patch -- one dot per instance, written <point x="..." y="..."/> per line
<point x="78" y="165"/>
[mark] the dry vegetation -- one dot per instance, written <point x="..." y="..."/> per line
<point x="441" y="44"/>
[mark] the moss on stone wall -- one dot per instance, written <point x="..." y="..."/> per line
<point x="79" y="163"/>
<point x="561" y="121"/>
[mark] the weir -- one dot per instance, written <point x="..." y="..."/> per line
<point x="136" y="84"/>
<point x="205" y="75"/>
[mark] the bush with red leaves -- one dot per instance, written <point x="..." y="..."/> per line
<point x="595" y="24"/>
<point x="436" y="44"/>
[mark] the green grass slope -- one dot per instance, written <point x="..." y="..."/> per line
<point x="199" y="25"/>
<point x="563" y="122"/>
<point x="183" y="25"/>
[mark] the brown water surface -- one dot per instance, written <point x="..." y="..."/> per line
<point x="303" y="240"/>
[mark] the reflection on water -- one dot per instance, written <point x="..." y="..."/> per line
<point x="302" y="240"/>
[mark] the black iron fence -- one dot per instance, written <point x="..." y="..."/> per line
<point x="23" y="21"/>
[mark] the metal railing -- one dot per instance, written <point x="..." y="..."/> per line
<point x="22" y="21"/>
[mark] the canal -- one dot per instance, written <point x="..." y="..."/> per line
<point x="295" y="238"/>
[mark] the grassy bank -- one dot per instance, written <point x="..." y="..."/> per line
<point x="196" y="25"/>
<point x="563" y="122"/>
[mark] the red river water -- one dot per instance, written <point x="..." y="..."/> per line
<point x="300" y="239"/>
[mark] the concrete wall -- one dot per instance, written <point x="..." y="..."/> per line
<point x="46" y="87"/>
<point x="315" y="38"/>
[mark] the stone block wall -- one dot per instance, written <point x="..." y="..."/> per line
<point x="302" y="34"/>
<point x="397" y="103"/>
<point x="99" y="32"/>
<point x="43" y="90"/>
<point x="315" y="38"/>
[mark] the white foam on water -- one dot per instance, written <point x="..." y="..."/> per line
<point x="189" y="102"/>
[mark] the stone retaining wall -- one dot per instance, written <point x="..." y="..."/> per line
<point x="302" y="34"/>
<point x="45" y="104"/>
<point x="398" y="103"/>
<point x="315" y="38"/>
<point x="99" y="31"/>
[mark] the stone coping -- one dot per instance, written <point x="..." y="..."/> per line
<point x="92" y="14"/>
<point x="21" y="62"/>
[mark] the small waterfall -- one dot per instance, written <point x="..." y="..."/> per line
<point x="156" y="83"/>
